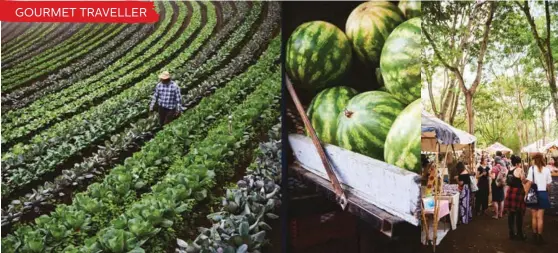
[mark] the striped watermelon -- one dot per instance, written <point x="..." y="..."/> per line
<point x="325" y="108"/>
<point x="368" y="27"/>
<point x="318" y="54"/>
<point x="400" y="61"/>
<point x="364" y="124"/>
<point x="410" y="8"/>
<point x="402" y="147"/>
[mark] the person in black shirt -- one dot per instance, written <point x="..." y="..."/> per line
<point x="514" y="203"/>
<point x="482" y="194"/>
<point x="464" y="181"/>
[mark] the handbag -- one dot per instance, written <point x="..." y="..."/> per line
<point x="531" y="198"/>
<point x="501" y="177"/>
<point x="474" y="186"/>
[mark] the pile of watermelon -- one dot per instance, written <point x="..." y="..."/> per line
<point x="382" y="124"/>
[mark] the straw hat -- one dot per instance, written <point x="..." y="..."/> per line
<point x="164" y="75"/>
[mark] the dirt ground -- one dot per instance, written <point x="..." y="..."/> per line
<point x="487" y="235"/>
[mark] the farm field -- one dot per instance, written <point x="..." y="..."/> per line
<point x="87" y="168"/>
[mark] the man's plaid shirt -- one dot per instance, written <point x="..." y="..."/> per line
<point x="167" y="96"/>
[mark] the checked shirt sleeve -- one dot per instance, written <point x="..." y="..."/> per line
<point x="155" y="96"/>
<point x="178" y="99"/>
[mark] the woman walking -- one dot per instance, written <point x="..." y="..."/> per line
<point x="464" y="181"/>
<point x="515" y="199"/>
<point x="498" y="181"/>
<point x="552" y="164"/>
<point x="481" y="203"/>
<point x="539" y="177"/>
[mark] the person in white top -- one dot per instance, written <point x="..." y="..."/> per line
<point x="539" y="176"/>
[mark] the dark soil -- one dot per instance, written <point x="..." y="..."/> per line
<point x="486" y="235"/>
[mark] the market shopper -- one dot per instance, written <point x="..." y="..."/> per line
<point x="481" y="203"/>
<point x="553" y="164"/>
<point x="515" y="199"/>
<point x="464" y="181"/>
<point x="167" y="98"/>
<point x="498" y="175"/>
<point x="539" y="176"/>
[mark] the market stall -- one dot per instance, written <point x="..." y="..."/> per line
<point x="551" y="150"/>
<point x="499" y="147"/>
<point x="534" y="147"/>
<point x="440" y="200"/>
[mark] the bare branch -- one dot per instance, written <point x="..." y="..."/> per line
<point x="483" y="48"/>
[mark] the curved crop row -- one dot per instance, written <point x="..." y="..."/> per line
<point x="56" y="36"/>
<point x="216" y="42"/>
<point x="15" y="79"/>
<point x="259" y="192"/>
<point x="16" y="29"/>
<point x="219" y="103"/>
<point x="84" y="34"/>
<point x="192" y="177"/>
<point x="93" y="31"/>
<point x="123" y="72"/>
<point x="80" y="96"/>
<point x="137" y="50"/>
<point x="7" y="30"/>
<point x="36" y="39"/>
<point x="137" y="107"/>
<point x="36" y="28"/>
<point x="70" y="136"/>
<point x="56" y="39"/>
<point x="133" y="109"/>
<point x="119" y="188"/>
<point x="89" y="65"/>
<point x="91" y="92"/>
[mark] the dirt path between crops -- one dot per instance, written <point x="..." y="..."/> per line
<point x="486" y="235"/>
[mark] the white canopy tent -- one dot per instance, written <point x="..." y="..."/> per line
<point x="535" y="147"/>
<point x="435" y="131"/>
<point x="552" y="144"/>
<point x="498" y="147"/>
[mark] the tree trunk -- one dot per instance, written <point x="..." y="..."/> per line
<point x="536" y="130"/>
<point x="448" y="102"/>
<point x="470" y="113"/>
<point x="526" y="129"/>
<point x="554" y="93"/>
<point x="551" y="67"/>
<point x="543" y="128"/>
<point x="545" y="50"/>
<point x="519" y="134"/>
<point x="454" y="107"/>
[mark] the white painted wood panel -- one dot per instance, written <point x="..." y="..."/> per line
<point x="390" y="188"/>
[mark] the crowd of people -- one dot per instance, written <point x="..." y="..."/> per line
<point x="513" y="185"/>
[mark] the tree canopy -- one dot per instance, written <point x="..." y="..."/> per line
<point x="490" y="68"/>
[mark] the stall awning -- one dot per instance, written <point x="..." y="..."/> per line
<point x="498" y="147"/>
<point x="436" y="131"/>
<point x="535" y="147"/>
<point x="550" y="145"/>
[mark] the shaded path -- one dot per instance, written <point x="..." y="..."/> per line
<point x="486" y="235"/>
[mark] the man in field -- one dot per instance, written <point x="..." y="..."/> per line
<point x="167" y="97"/>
